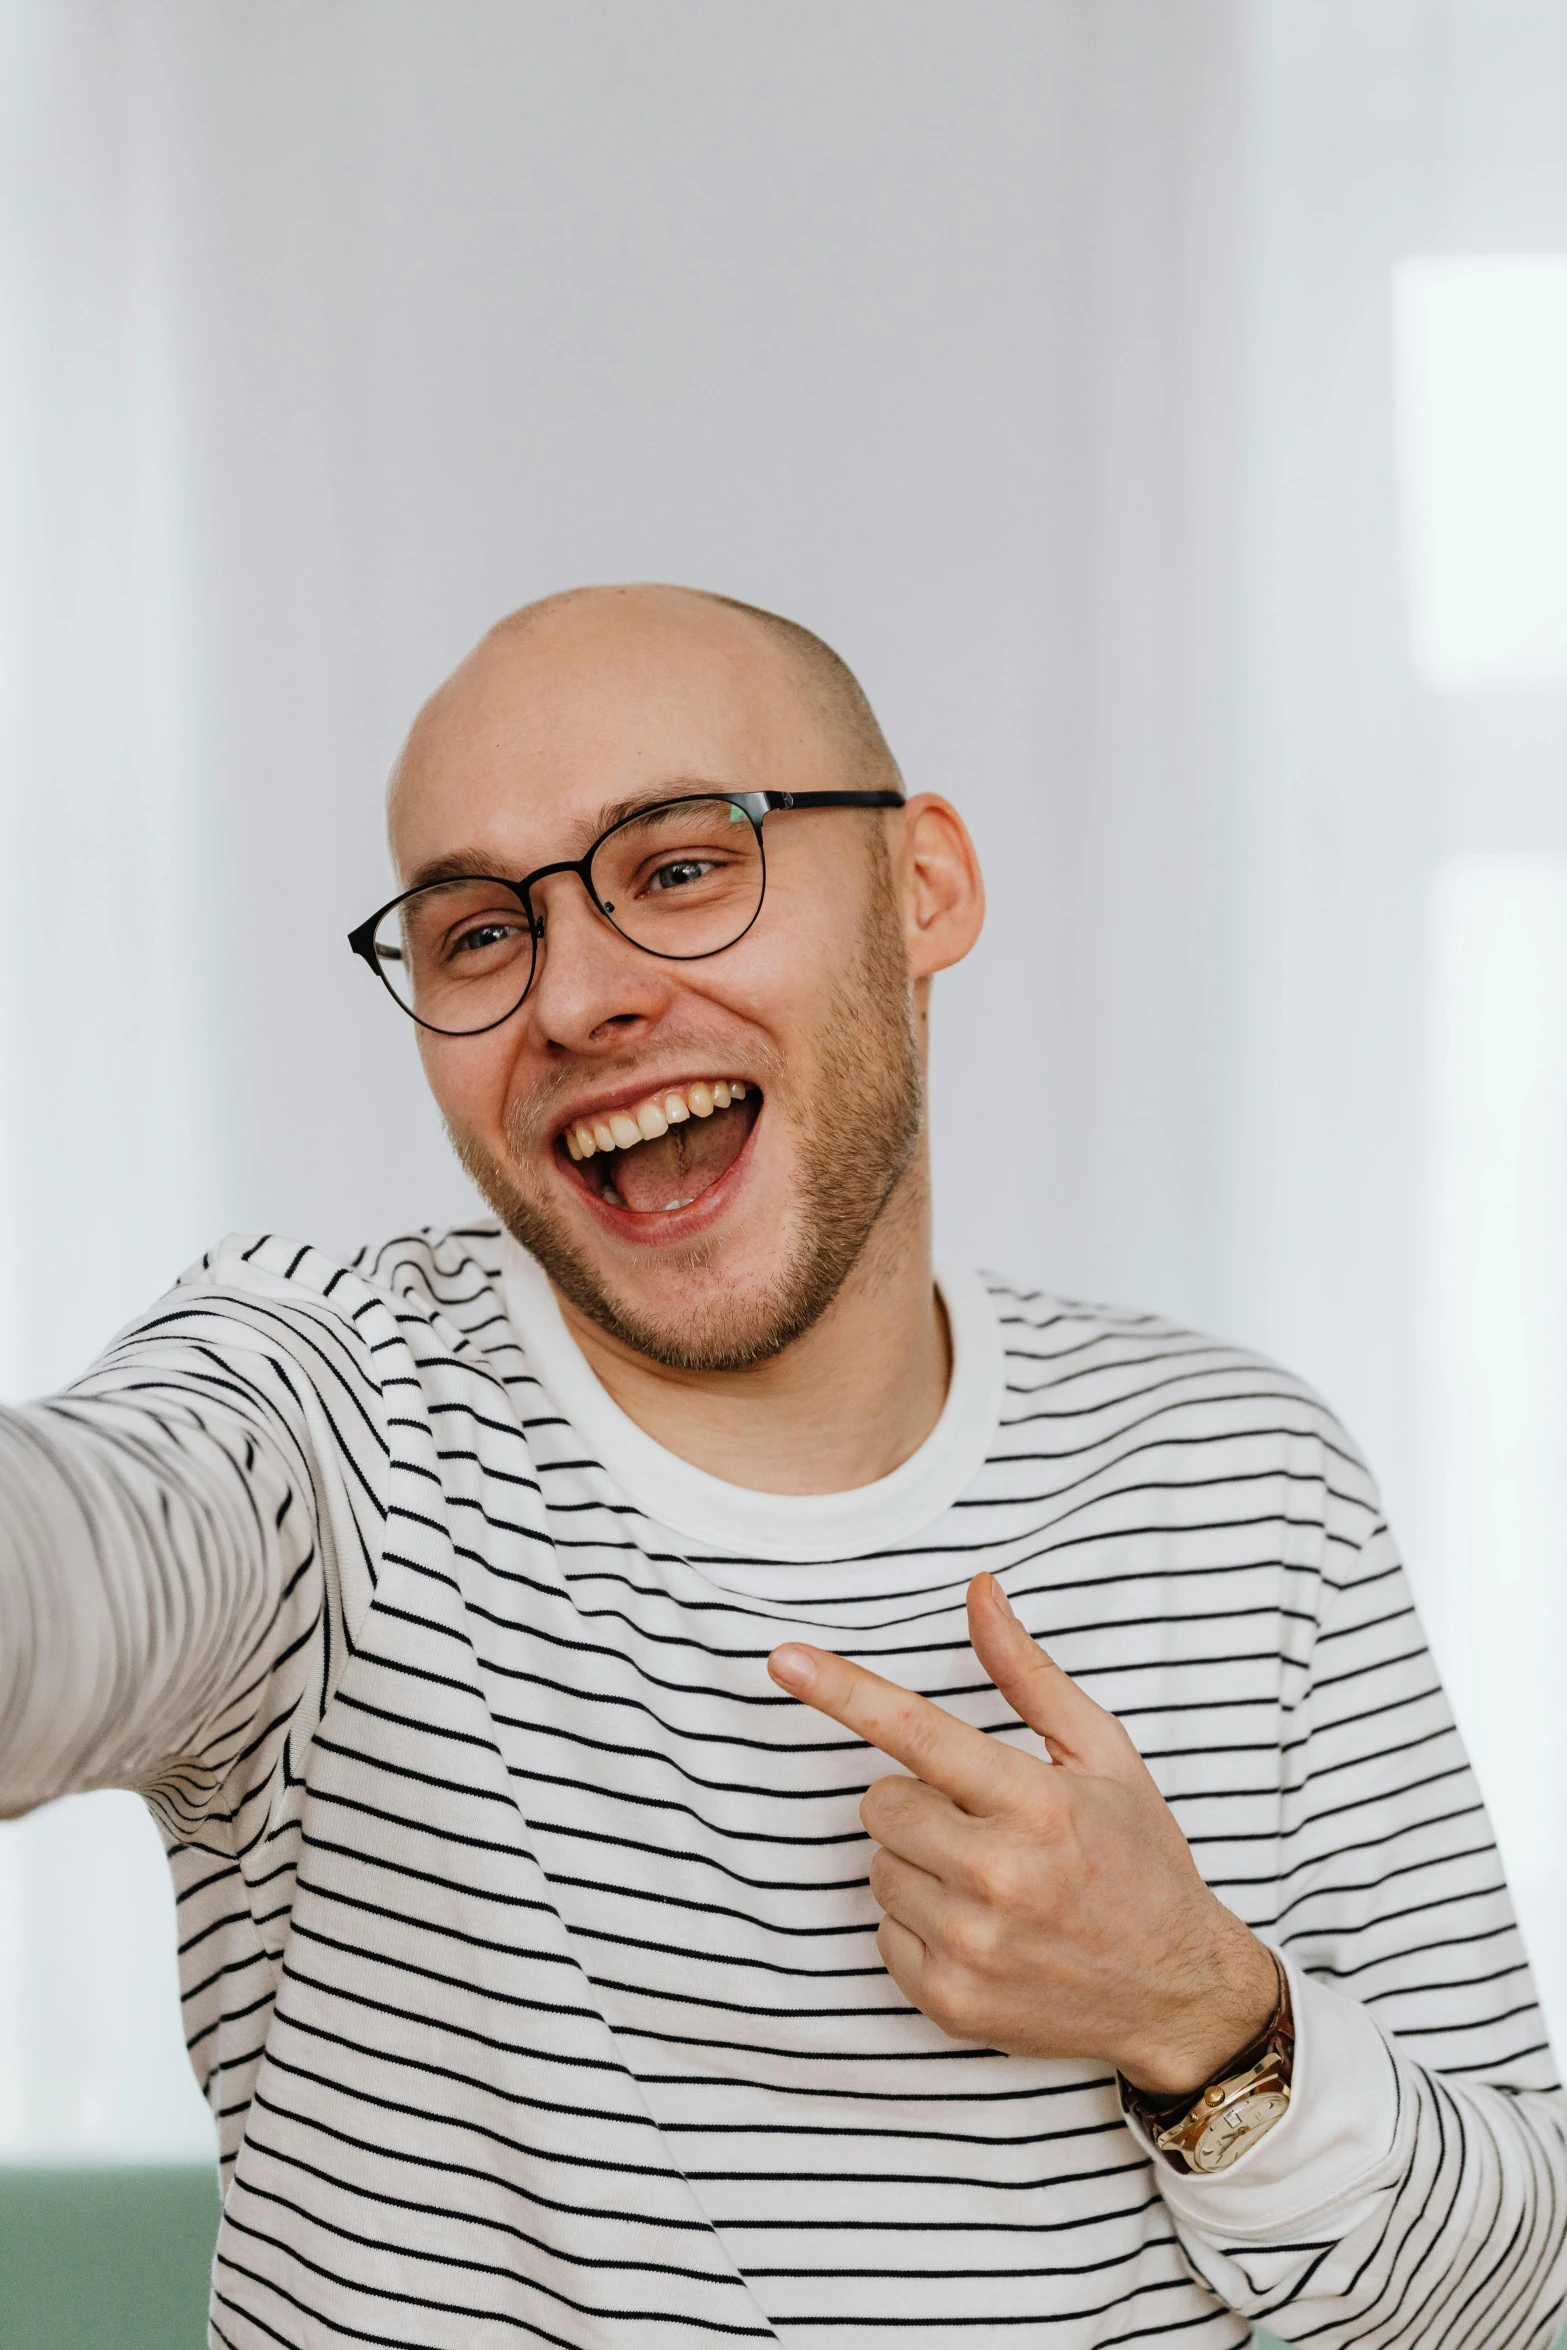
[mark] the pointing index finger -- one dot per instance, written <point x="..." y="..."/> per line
<point x="933" y="1744"/>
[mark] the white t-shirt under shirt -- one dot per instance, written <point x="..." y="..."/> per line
<point x="526" y="1944"/>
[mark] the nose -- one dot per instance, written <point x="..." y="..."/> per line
<point x="591" y="987"/>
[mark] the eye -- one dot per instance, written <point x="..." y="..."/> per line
<point x="679" y="873"/>
<point x="480" y="936"/>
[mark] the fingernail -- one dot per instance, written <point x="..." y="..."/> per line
<point x="1002" y="1601"/>
<point x="793" y="1666"/>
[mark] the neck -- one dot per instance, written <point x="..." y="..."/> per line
<point x="845" y="1404"/>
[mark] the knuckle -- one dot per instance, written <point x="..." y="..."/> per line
<point x="880" y="1876"/>
<point x="998" y="1876"/>
<point x="972" y="1938"/>
<point x="944" y="1997"/>
<point x="918" y="1733"/>
<point x="1119" y="1741"/>
<point x="898" y="1963"/>
<point x="884" y="1802"/>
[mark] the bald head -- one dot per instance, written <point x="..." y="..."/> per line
<point x="600" y="663"/>
<point x="824" y="677"/>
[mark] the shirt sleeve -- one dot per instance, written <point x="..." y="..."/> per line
<point x="1415" y="2195"/>
<point x="178" y="1534"/>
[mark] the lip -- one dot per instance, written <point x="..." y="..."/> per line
<point x="660" y="1226"/>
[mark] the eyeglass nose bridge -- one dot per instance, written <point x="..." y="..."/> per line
<point x="582" y="867"/>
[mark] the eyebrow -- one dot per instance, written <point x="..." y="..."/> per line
<point x="459" y="865"/>
<point x="477" y="865"/>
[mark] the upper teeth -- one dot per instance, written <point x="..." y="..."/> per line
<point x="619" y="1130"/>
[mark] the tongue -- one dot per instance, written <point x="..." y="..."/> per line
<point x="680" y="1165"/>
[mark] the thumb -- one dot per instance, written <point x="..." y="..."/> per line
<point x="1080" y="1735"/>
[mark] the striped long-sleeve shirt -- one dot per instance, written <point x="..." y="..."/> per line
<point x="527" y="1949"/>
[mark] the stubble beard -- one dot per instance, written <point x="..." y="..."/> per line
<point x="867" y="1062"/>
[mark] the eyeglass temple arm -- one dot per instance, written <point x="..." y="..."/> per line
<point x="832" y="799"/>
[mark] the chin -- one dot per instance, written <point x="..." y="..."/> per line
<point x="710" y="1301"/>
<point x="712" y="1293"/>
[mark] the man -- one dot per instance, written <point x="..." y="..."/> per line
<point x="640" y="1879"/>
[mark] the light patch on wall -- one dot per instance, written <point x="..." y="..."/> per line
<point x="1481" y="372"/>
<point x="1499" y="1358"/>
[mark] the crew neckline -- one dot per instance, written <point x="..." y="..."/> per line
<point x="736" y="1523"/>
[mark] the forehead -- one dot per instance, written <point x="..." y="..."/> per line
<point x="543" y="730"/>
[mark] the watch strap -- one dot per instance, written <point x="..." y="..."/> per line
<point x="1273" y="2047"/>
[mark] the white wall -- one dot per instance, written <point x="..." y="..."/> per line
<point x="1038" y="352"/>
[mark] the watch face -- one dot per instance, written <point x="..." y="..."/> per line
<point x="1229" y="2133"/>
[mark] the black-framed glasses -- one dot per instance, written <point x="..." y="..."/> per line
<point x="682" y="879"/>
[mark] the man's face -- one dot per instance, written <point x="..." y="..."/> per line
<point x="716" y="1243"/>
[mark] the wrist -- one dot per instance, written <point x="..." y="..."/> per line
<point x="1211" y="2024"/>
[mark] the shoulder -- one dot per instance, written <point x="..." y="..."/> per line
<point x="432" y="1271"/>
<point x="272" y="1293"/>
<point x="1072" y="1359"/>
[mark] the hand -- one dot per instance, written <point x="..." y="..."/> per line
<point x="1048" y="1911"/>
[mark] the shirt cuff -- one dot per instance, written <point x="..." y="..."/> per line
<point x="1333" y="2150"/>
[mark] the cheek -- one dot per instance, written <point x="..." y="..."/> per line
<point x="813" y="921"/>
<point x="757" y="982"/>
<point x="469" y="1078"/>
<point x="784" y="982"/>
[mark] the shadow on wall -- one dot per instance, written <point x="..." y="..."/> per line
<point x="116" y="2259"/>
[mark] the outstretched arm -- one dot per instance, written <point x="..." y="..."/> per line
<point x="167" y="1564"/>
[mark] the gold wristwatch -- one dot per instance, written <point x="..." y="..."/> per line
<point x="1209" y="2128"/>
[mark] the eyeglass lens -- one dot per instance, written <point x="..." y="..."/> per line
<point x="683" y="879"/>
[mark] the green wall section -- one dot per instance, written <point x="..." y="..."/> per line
<point x="114" y="2259"/>
<point x="106" y="2259"/>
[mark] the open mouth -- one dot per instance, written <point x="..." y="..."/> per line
<point x="662" y="1153"/>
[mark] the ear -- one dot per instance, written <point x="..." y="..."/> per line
<point x="943" y="889"/>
